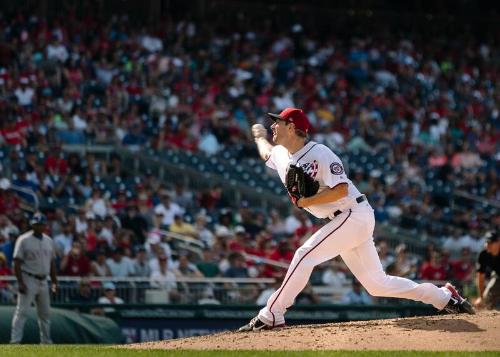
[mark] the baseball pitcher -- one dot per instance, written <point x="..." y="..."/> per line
<point x="316" y="182"/>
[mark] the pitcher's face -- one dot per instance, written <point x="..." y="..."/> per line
<point x="282" y="132"/>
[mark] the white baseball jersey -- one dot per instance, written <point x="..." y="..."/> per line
<point x="319" y="162"/>
<point x="35" y="253"/>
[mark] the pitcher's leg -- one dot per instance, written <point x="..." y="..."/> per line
<point x="328" y="242"/>
<point x="43" y="311"/>
<point x="364" y="263"/>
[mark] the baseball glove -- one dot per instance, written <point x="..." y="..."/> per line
<point x="299" y="184"/>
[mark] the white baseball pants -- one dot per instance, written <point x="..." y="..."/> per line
<point x="350" y="234"/>
<point x="36" y="291"/>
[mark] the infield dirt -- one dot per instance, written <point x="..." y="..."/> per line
<point x="480" y="332"/>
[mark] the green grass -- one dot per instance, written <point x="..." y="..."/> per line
<point x="98" y="351"/>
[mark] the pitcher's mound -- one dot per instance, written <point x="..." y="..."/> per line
<point x="438" y="333"/>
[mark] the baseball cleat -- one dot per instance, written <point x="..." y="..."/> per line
<point x="256" y="324"/>
<point x="457" y="304"/>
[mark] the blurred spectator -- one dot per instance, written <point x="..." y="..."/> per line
<point x="267" y="292"/>
<point x="135" y="222"/>
<point x="204" y="234"/>
<point x="276" y="225"/>
<point x="455" y="243"/>
<point x="208" y="298"/>
<point x="237" y="268"/>
<point x="108" y="231"/>
<point x="179" y="226"/>
<point x="81" y="224"/>
<point x="307" y="296"/>
<point x="297" y="220"/>
<point x="156" y="243"/>
<point x="8" y="234"/>
<point x="433" y="269"/>
<point x="252" y="222"/>
<point x="211" y="199"/>
<point x="333" y="275"/>
<point x="386" y="258"/>
<point x="165" y="279"/>
<point x="6" y="227"/>
<point x="134" y="137"/>
<point x="357" y="296"/>
<point x="64" y="240"/>
<point x="109" y="297"/>
<point x="208" y="143"/>
<point x="183" y="197"/>
<point x="283" y="253"/>
<point x="99" y="267"/>
<point x="24" y="93"/>
<point x="208" y="265"/>
<point x="403" y="266"/>
<point x="26" y="187"/>
<point x="224" y="227"/>
<point x="168" y="209"/>
<point x="6" y="289"/>
<point x="57" y="50"/>
<point x="185" y="268"/>
<point x="245" y="294"/>
<point x="238" y="243"/>
<point x="97" y="204"/>
<point x="84" y="295"/>
<point x="75" y="263"/>
<point x="462" y="269"/>
<point x="119" y="265"/>
<point x="141" y="264"/>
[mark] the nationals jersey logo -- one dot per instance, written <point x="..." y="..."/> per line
<point x="336" y="168"/>
<point x="311" y="168"/>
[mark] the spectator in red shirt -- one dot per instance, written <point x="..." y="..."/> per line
<point x="120" y="203"/>
<point x="210" y="199"/>
<point x="283" y="253"/>
<point x="462" y="268"/>
<point x="264" y="246"/>
<point x="4" y="268"/>
<point x="6" y="289"/>
<point x="90" y="234"/>
<point x="238" y="243"/>
<point x="433" y="269"/>
<point x="12" y="133"/>
<point x="75" y="263"/>
<point x="9" y="202"/>
<point x="55" y="164"/>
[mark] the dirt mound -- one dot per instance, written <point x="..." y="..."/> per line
<point x="447" y="332"/>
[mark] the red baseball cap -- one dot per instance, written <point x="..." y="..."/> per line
<point x="295" y="116"/>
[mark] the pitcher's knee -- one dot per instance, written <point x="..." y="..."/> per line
<point x="301" y="255"/>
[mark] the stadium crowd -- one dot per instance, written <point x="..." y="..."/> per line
<point x="427" y="107"/>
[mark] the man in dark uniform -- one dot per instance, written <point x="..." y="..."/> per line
<point x="488" y="265"/>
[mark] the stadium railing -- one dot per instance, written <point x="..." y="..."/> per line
<point x="136" y="290"/>
<point x="139" y="290"/>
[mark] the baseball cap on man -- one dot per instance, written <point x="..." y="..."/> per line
<point x="295" y="116"/>
<point x="109" y="286"/>
<point x="38" y="218"/>
<point x="491" y="237"/>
